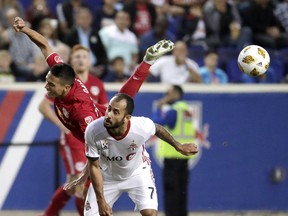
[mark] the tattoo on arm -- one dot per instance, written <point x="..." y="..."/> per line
<point x="164" y="135"/>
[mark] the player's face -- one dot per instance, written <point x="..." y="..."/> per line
<point x="116" y="116"/>
<point x="80" y="61"/>
<point x="54" y="86"/>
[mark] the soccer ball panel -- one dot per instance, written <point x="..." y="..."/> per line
<point x="253" y="60"/>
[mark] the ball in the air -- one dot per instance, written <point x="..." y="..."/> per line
<point x="253" y="60"/>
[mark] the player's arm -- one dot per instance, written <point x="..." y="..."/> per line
<point x="185" y="148"/>
<point x="97" y="183"/>
<point x="47" y="111"/>
<point x="38" y="39"/>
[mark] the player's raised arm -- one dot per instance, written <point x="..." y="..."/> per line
<point x="38" y="39"/>
<point x="184" y="148"/>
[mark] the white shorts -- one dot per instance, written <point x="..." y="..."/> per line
<point x="140" y="188"/>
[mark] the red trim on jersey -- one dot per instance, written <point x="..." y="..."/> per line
<point x="144" y="157"/>
<point x="124" y="135"/>
<point x="8" y="109"/>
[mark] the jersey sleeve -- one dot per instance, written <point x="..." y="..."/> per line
<point x="149" y="126"/>
<point x="54" y="59"/>
<point x="91" y="150"/>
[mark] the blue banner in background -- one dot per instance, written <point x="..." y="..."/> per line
<point x="248" y="134"/>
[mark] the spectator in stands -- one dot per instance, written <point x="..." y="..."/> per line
<point x="159" y="32"/>
<point x="281" y="12"/>
<point x="116" y="71"/>
<point x="118" y="40"/>
<point x="105" y="15"/>
<point x="7" y="4"/>
<point x="192" y="27"/>
<point x="66" y="15"/>
<point x="223" y="25"/>
<point x="210" y="72"/>
<point x="39" y="70"/>
<point x="49" y="30"/>
<point x="6" y="75"/>
<point x="176" y="68"/>
<point x="267" y="30"/>
<point x="37" y="11"/>
<point x="84" y="34"/>
<point x="21" y="49"/>
<point x="142" y="14"/>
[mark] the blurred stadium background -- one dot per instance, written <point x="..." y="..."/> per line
<point x="242" y="173"/>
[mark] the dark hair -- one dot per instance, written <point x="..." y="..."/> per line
<point x="117" y="58"/>
<point x="129" y="102"/>
<point x="210" y="51"/>
<point x="178" y="89"/>
<point x="64" y="72"/>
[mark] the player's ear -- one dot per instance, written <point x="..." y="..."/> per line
<point x="67" y="87"/>
<point x="128" y="117"/>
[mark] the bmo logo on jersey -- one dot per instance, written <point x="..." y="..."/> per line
<point x="114" y="158"/>
<point x="119" y="158"/>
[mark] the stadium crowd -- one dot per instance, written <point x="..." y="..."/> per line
<point x="208" y="35"/>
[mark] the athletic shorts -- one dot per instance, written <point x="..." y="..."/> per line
<point x="140" y="188"/>
<point x="73" y="154"/>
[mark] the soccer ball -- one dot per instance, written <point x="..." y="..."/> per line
<point x="254" y="60"/>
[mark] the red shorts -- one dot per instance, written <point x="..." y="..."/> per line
<point x="73" y="154"/>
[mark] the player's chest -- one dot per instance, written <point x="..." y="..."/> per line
<point x="64" y="113"/>
<point x="120" y="151"/>
<point x="123" y="147"/>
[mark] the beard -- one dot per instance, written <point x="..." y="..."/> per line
<point x="108" y="124"/>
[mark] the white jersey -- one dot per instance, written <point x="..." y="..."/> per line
<point x="119" y="158"/>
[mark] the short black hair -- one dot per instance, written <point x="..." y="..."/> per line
<point x="210" y="51"/>
<point x="64" y="72"/>
<point x="178" y="89"/>
<point x="129" y="102"/>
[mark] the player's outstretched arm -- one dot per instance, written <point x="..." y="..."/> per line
<point x="38" y="39"/>
<point x="185" y="148"/>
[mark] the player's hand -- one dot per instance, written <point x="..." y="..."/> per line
<point x="104" y="208"/>
<point x="187" y="149"/>
<point x="19" y="24"/>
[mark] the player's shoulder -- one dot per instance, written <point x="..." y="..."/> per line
<point x="94" y="80"/>
<point x="80" y="91"/>
<point x="141" y="121"/>
<point x="96" y="126"/>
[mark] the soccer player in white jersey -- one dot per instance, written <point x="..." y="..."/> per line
<point x="118" y="161"/>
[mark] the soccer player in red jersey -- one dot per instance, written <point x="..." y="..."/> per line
<point x="71" y="95"/>
<point x="71" y="149"/>
<point x="72" y="102"/>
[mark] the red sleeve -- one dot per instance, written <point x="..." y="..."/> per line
<point x="54" y="59"/>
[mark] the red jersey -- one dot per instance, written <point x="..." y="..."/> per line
<point x="76" y="110"/>
<point x="96" y="89"/>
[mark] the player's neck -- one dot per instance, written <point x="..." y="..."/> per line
<point x="83" y="76"/>
<point x="119" y="132"/>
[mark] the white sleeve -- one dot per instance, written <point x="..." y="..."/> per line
<point x="149" y="127"/>
<point x="193" y="65"/>
<point x="91" y="150"/>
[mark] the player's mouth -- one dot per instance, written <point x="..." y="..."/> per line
<point x="107" y="122"/>
<point x="50" y="94"/>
